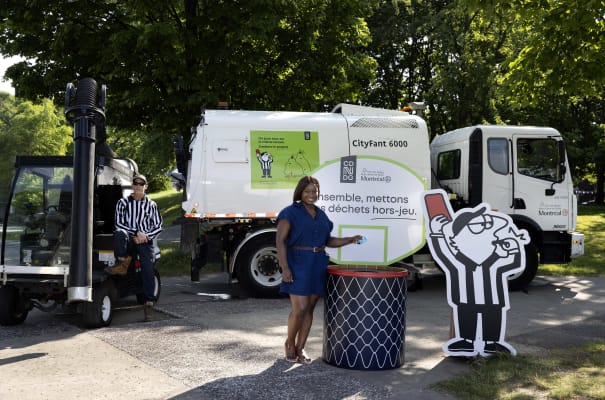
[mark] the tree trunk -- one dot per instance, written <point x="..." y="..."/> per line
<point x="600" y="183"/>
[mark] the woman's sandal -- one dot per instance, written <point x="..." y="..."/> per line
<point x="303" y="358"/>
<point x="290" y="353"/>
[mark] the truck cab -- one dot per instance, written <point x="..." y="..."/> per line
<point x="521" y="171"/>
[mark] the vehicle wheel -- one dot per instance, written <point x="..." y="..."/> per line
<point x="522" y="280"/>
<point x="157" y="291"/>
<point x="12" y="307"/>
<point x="99" y="313"/>
<point x="257" y="268"/>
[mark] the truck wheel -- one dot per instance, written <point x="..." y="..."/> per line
<point x="157" y="291"/>
<point x="256" y="267"/>
<point x="522" y="280"/>
<point x="12" y="308"/>
<point x="99" y="313"/>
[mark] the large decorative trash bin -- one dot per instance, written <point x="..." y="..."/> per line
<point x="364" y="317"/>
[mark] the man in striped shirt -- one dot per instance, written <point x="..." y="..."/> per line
<point x="138" y="222"/>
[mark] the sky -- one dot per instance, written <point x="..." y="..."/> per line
<point x="4" y="64"/>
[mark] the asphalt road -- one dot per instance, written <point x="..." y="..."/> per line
<point x="209" y="342"/>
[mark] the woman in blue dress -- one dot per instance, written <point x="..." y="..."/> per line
<point x="303" y="233"/>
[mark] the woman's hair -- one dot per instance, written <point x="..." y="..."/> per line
<point x="302" y="184"/>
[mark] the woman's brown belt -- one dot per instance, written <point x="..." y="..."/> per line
<point x="308" y="248"/>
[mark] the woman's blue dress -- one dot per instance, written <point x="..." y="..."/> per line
<point x="308" y="268"/>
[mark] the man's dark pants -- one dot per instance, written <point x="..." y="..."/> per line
<point x="124" y="246"/>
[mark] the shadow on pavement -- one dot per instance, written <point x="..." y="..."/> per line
<point x="284" y="380"/>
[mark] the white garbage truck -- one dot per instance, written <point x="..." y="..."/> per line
<point x="240" y="168"/>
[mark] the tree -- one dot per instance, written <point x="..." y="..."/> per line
<point x="443" y="53"/>
<point x="163" y="61"/>
<point x="563" y="49"/>
<point x="29" y="128"/>
<point x="402" y="48"/>
<point x="561" y="58"/>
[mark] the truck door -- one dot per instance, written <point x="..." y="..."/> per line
<point x="541" y="189"/>
<point x="497" y="179"/>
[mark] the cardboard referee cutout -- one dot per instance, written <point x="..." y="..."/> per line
<point x="478" y="249"/>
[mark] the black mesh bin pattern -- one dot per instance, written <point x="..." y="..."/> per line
<point x="364" y="317"/>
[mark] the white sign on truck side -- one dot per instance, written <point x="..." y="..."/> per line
<point x="373" y="166"/>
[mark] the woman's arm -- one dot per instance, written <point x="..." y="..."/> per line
<point x="339" y="242"/>
<point x="283" y="230"/>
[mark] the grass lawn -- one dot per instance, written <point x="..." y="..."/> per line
<point x="577" y="373"/>
<point x="591" y="222"/>
<point x="174" y="262"/>
<point x="169" y="203"/>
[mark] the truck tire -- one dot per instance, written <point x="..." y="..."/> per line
<point x="99" y="313"/>
<point x="522" y="280"/>
<point x="12" y="309"/>
<point x="257" y="268"/>
<point x="157" y="291"/>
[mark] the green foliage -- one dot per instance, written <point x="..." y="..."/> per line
<point x="169" y="204"/>
<point x="28" y="128"/>
<point x="163" y="61"/>
<point x="149" y="150"/>
<point x="173" y="262"/>
<point x="441" y="52"/>
<point x="570" y="60"/>
<point x="28" y="202"/>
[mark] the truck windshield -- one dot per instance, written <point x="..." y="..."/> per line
<point x="539" y="158"/>
<point x="39" y="217"/>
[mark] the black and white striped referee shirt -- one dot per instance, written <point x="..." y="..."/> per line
<point x="135" y="216"/>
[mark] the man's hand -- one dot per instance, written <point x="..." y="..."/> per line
<point x="140" y="238"/>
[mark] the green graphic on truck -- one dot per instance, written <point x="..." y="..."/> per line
<point x="281" y="158"/>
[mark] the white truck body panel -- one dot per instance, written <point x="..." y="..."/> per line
<point x="221" y="171"/>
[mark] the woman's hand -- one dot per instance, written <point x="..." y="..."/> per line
<point x="357" y="239"/>
<point x="286" y="275"/>
<point x="339" y="242"/>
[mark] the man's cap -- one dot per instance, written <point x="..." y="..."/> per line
<point x="140" y="177"/>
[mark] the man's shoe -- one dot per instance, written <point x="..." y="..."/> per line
<point x="148" y="310"/>
<point x="121" y="267"/>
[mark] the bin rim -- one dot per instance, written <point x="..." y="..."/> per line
<point x="365" y="271"/>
